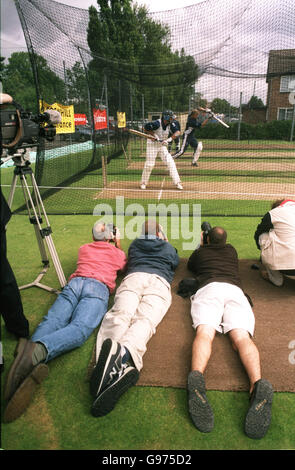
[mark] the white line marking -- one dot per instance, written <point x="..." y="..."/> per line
<point x="161" y="191"/>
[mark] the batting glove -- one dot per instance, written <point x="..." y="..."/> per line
<point x="167" y="141"/>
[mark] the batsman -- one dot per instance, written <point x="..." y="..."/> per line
<point x="195" y="120"/>
<point x="160" y="129"/>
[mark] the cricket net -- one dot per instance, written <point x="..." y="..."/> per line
<point x="237" y="57"/>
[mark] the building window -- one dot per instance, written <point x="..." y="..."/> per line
<point x="285" y="82"/>
<point x="285" y="113"/>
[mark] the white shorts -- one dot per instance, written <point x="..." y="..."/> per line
<point x="223" y="306"/>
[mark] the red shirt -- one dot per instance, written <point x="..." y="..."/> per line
<point x="100" y="260"/>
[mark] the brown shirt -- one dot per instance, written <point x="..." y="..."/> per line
<point x="215" y="263"/>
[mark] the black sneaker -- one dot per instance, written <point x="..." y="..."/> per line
<point x="199" y="407"/>
<point x="108" y="398"/>
<point x="109" y="363"/>
<point x="194" y="164"/>
<point x="258" y="417"/>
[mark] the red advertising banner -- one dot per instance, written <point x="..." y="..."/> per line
<point x="100" y="119"/>
<point x="80" y="119"/>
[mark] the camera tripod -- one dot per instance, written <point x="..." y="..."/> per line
<point x="36" y="213"/>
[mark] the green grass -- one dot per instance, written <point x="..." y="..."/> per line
<point x="145" y="418"/>
<point x="72" y="200"/>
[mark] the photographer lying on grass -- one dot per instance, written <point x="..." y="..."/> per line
<point x="77" y="311"/>
<point x="221" y="305"/>
<point x="141" y="302"/>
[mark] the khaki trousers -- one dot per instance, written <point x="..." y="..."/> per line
<point x="140" y="303"/>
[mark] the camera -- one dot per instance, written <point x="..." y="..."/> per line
<point x="112" y="229"/>
<point x="23" y="129"/>
<point x="205" y="228"/>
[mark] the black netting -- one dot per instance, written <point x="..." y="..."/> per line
<point x="237" y="56"/>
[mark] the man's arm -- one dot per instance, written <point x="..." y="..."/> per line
<point x="264" y="227"/>
<point x="150" y="127"/>
<point x="117" y="240"/>
<point x="175" y="130"/>
<point x="192" y="262"/>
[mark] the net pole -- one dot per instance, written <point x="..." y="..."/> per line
<point x="104" y="171"/>
<point x="293" y="124"/>
<point x="240" y="116"/>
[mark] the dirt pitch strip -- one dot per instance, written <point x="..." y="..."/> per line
<point x="221" y="166"/>
<point x="235" y="190"/>
<point x="198" y="190"/>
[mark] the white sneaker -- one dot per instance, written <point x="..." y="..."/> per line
<point x="143" y="186"/>
<point x="276" y="277"/>
<point x="179" y="186"/>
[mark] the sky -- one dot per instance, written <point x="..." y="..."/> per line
<point x="227" y="39"/>
<point x="12" y="38"/>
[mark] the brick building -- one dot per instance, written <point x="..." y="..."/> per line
<point x="254" y="115"/>
<point x="280" y="75"/>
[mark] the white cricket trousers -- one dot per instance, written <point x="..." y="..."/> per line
<point x="140" y="303"/>
<point x="153" y="150"/>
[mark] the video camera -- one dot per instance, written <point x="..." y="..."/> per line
<point x="205" y="228"/>
<point x="22" y="129"/>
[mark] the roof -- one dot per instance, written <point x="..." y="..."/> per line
<point x="281" y="62"/>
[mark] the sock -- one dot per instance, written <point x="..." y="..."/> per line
<point x="125" y="354"/>
<point x="39" y="354"/>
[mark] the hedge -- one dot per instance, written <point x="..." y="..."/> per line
<point x="273" y="130"/>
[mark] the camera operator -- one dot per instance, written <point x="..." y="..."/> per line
<point x="11" y="307"/>
<point x="221" y="305"/>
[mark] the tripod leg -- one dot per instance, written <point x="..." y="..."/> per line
<point x="12" y="191"/>
<point x="48" y="237"/>
<point x="42" y="234"/>
<point x="41" y="245"/>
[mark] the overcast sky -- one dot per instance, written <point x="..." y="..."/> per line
<point x="12" y="38"/>
<point x="236" y="36"/>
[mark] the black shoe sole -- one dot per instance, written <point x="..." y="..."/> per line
<point x="101" y="367"/>
<point x="258" y="418"/>
<point x="107" y="400"/>
<point x="199" y="408"/>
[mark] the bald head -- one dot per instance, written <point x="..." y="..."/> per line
<point x="150" y="227"/>
<point x="217" y="236"/>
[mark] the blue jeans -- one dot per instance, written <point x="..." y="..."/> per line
<point x="77" y="311"/>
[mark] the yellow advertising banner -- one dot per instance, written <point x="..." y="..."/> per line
<point x="67" y="124"/>
<point x="121" y="118"/>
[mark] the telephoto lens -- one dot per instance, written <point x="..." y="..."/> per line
<point x="205" y="228"/>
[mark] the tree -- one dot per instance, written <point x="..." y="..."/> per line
<point x="129" y="47"/>
<point x="220" y="105"/>
<point x="2" y="67"/>
<point x="18" y="81"/>
<point x="77" y="88"/>
<point x="255" y="102"/>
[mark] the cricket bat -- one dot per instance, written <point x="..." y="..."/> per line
<point x="142" y="134"/>
<point x="207" y="110"/>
